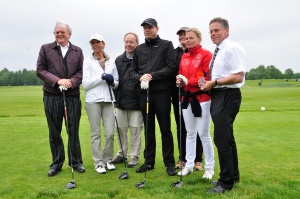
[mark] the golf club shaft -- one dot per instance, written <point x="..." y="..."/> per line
<point x="180" y="136"/>
<point x="67" y="127"/>
<point x="111" y="97"/>
<point x="146" y="132"/>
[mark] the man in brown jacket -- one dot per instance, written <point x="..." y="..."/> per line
<point x="59" y="65"/>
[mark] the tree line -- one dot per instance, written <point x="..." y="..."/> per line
<point x="270" y="72"/>
<point x="28" y="77"/>
<point x="19" y="78"/>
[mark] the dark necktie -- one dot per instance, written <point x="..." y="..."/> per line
<point x="212" y="62"/>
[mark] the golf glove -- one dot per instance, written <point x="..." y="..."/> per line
<point x="144" y="84"/>
<point x="108" y="78"/>
<point x="62" y="88"/>
<point x="183" y="78"/>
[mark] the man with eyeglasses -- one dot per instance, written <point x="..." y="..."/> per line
<point x="227" y="70"/>
<point x="59" y="65"/>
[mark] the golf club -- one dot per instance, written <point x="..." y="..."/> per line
<point x="179" y="183"/>
<point x="143" y="183"/>
<point x="71" y="184"/>
<point x="125" y="174"/>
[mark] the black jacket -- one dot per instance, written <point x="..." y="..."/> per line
<point x="156" y="57"/>
<point x="126" y="94"/>
<point x="178" y="55"/>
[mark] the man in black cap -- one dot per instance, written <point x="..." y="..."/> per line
<point x="152" y="66"/>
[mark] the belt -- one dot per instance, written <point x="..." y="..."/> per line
<point x="222" y="89"/>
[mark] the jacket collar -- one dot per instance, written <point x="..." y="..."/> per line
<point x="195" y="49"/>
<point x="54" y="45"/>
<point x="125" y="58"/>
<point x="152" y="42"/>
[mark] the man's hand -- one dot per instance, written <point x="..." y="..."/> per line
<point x="65" y="82"/>
<point x="208" y="85"/>
<point x="108" y="78"/>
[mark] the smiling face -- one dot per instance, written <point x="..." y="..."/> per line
<point x="218" y="32"/>
<point x="192" y="40"/>
<point x="130" y="43"/>
<point x="182" y="39"/>
<point x="150" y="32"/>
<point x="97" y="46"/>
<point x="62" y="35"/>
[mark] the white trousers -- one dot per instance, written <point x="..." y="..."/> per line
<point x="97" y="111"/>
<point x="202" y="126"/>
<point x="132" y="120"/>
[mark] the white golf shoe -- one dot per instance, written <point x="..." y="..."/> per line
<point x="100" y="169"/>
<point x="208" y="174"/>
<point x="110" y="166"/>
<point x="185" y="171"/>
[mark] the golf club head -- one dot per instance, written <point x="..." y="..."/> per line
<point x="124" y="175"/>
<point x="71" y="185"/>
<point x="140" y="184"/>
<point x="177" y="184"/>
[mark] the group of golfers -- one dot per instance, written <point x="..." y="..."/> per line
<point x="131" y="92"/>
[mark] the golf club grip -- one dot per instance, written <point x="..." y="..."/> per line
<point x="65" y="107"/>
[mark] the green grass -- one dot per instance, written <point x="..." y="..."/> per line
<point x="268" y="147"/>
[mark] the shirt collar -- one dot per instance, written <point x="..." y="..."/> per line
<point x="223" y="43"/>
<point x="127" y="56"/>
<point x="67" y="46"/>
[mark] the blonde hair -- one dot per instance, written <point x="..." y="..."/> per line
<point x="196" y="31"/>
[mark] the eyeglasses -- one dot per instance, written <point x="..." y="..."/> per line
<point x="214" y="31"/>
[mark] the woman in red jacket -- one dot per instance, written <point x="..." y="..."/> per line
<point x="194" y="68"/>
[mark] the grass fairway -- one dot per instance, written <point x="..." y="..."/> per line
<point x="268" y="146"/>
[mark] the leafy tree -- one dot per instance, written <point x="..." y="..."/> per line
<point x="19" y="78"/>
<point x="288" y="73"/>
<point x="274" y="73"/>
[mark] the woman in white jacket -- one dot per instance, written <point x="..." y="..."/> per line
<point x="99" y="75"/>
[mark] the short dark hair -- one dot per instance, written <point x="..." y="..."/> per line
<point x="222" y="21"/>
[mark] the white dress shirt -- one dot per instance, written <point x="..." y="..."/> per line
<point x="230" y="59"/>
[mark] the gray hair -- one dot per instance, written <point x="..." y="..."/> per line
<point x="223" y="22"/>
<point x="63" y="24"/>
<point x="135" y="35"/>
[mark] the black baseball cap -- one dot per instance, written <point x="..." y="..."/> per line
<point x="150" y="21"/>
<point x="182" y="29"/>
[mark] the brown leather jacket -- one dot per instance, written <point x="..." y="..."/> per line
<point x="51" y="67"/>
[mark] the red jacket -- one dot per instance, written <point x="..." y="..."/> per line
<point x="197" y="59"/>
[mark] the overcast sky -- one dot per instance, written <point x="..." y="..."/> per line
<point x="268" y="30"/>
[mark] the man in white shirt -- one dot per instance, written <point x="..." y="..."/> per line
<point x="227" y="76"/>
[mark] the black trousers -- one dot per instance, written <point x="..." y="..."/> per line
<point x="182" y="153"/>
<point x="54" y="109"/>
<point x="225" y="105"/>
<point x="159" y="106"/>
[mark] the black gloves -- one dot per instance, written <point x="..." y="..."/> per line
<point x="108" y="78"/>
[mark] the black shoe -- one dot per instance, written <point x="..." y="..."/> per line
<point x="171" y="171"/>
<point x="79" y="168"/>
<point x="214" y="182"/>
<point x="53" y="172"/>
<point x="217" y="190"/>
<point x="144" y="168"/>
<point x="118" y="159"/>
